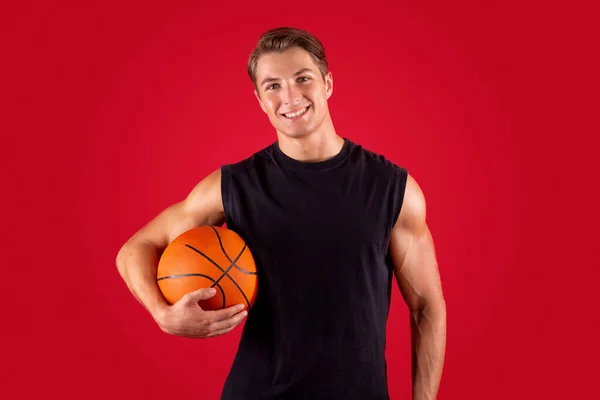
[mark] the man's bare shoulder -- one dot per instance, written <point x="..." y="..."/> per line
<point x="414" y="208"/>
<point x="206" y="195"/>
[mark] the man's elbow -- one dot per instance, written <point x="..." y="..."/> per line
<point x="433" y="308"/>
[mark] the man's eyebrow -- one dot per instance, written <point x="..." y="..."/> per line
<point x="302" y="71"/>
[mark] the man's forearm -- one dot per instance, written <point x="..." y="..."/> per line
<point x="137" y="263"/>
<point x="428" y="342"/>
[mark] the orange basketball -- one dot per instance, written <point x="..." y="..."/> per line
<point x="209" y="256"/>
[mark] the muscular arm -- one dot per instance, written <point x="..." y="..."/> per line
<point x="417" y="275"/>
<point x="137" y="260"/>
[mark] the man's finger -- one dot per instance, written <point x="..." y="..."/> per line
<point x="226" y="313"/>
<point x="229" y="322"/>
<point x="227" y="329"/>
<point x="200" y="294"/>
<point x="220" y="332"/>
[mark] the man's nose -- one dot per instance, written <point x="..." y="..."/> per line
<point x="292" y="95"/>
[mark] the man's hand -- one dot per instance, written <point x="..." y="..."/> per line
<point x="186" y="318"/>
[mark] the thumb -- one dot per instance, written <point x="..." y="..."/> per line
<point x="201" y="294"/>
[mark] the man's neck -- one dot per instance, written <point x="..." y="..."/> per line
<point x="316" y="147"/>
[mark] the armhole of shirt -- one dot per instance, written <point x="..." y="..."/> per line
<point x="401" y="179"/>
<point x="226" y="193"/>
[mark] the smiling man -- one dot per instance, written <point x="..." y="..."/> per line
<point x="330" y="225"/>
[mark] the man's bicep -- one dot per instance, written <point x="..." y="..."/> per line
<point x="413" y="252"/>
<point x="203" y="206"/>
<point x="415" y="267"/>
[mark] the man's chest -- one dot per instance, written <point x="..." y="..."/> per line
<point x="326" y="217"/>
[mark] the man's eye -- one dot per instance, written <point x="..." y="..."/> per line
<point x="272" y="86"/>
<point x="303" y="79"/>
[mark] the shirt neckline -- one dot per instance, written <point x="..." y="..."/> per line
<point x="314" y="166"/>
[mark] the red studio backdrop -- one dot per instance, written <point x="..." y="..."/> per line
<point x="115" y="110"/>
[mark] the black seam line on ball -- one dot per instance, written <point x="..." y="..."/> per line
<point x="222" y="270"/>
<point x="200" y="275"/>
<point x="227" y="255"/>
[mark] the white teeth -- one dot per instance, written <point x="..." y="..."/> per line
<point x="297" y="113"/>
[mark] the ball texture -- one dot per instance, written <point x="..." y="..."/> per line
<point x="204" y="257"/>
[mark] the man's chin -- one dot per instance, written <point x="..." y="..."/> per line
<point x="296" y="134"/>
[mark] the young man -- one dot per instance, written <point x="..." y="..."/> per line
<point x="329" y="224"/>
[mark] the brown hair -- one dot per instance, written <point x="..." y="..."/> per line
<point x="283" y="38"/>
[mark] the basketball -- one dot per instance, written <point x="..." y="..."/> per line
<point x="204" y="257"/>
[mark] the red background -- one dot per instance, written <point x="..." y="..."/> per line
<point x="115" y="110"/>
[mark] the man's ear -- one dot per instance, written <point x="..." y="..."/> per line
<point x="260" y="101"/>
<point x="329" y="85"/>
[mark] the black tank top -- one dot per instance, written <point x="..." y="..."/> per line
<point x="319" y="233"/>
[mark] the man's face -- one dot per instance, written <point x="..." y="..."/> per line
<point x="292" y="93"/>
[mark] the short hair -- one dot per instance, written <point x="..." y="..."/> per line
<point x="283" y="38"/>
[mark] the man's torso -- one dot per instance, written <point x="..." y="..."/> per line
<point x="319" y="234"/>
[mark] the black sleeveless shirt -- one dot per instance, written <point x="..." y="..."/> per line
<point x="319" y="233"/>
